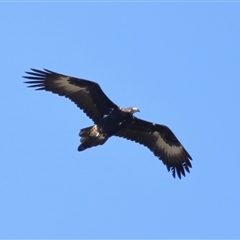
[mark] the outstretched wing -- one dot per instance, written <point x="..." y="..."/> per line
<point x="162" y="142"/>
<point x="86" y="94"/>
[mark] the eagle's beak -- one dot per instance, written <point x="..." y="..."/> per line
<point x="135" y="110"/>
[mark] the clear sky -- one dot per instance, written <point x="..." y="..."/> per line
<point x="179" y="63"/>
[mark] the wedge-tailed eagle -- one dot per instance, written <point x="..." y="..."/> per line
<point x="112" y="120"/>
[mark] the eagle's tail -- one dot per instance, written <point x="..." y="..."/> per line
<point x="90" y="137"/>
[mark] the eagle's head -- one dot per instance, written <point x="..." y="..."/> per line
<point x="131" y="110"/>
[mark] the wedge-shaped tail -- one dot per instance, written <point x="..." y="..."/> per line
<point x="90" y="137"/>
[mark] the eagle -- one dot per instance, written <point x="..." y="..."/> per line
<point x="111" y="120"/>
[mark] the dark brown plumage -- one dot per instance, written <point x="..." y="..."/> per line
<point x="111" y="120"/>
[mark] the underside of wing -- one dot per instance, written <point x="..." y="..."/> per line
<point x="162" y="142"/>
<point x="87" y="95"/>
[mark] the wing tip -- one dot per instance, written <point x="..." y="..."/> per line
<point x="179" y="168"/>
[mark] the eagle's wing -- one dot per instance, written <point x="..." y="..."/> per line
<point x="86" y="94"/>
<point x="162" y="142"/>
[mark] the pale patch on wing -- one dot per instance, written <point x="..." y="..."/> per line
<point x="161" y="144"/>
<point x="63" y="82"/>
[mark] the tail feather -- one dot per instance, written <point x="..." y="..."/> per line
<point x="90" y="137"/>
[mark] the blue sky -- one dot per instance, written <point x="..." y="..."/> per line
<point x="178" y="63"/>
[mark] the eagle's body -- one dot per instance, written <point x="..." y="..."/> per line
<point x="108" y="126"/>
<point x="111" y="120"/>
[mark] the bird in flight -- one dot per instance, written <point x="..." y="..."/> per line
<point x="112" y="120"/>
